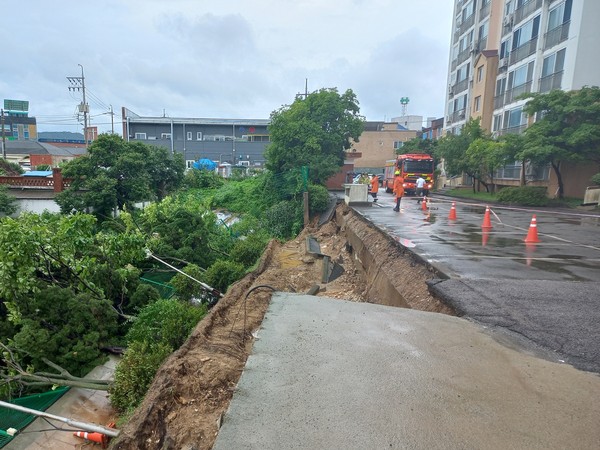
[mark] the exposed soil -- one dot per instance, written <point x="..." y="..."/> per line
<point x="193" y="388"/>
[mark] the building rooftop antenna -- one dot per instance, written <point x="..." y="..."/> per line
<point x="404" y="102"/>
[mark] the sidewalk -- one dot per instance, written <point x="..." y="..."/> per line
<point x="332" y="374"/>
<point x="84" y="405"/>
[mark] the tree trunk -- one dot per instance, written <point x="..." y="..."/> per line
<point x="561" y="190"/>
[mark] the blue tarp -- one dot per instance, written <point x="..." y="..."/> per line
<point x="38" y="173"/>
<point x="204" y="163"/>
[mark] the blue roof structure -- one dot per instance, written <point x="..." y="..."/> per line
<point x="38" y="173"/>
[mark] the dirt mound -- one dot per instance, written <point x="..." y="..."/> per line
<point x="193" y="388"/>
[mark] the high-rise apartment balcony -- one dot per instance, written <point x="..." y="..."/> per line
<point x="522" y="52"/>
<point x="453" y="65"/>
<point x="484" y="11"/>
<point x="498" y="101"/>
<point x="463" y="56"/>
<point x="468" y="23"/>
<point x="551" y="82"/>
<point x="462" y="85"/>
<point x="518" y="129"/>
<point x="527" y="9"/>
<point x="512" y="94"/>
<point x="457" y="116"/>
<point x="556" y="35"/>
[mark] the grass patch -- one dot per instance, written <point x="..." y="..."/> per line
<point x="468" y="193"/>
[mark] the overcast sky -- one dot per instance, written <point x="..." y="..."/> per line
<point x="222" y="58"/>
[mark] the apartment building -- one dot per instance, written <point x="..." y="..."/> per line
<point x="502" y="49"/>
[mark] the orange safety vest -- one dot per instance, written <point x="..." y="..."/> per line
<point x="398" y="186"/>
<point x="374" y="185"/>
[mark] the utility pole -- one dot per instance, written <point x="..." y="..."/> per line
<point x="78" y="84"/>
<point x="3" y="136"/>
<point x="112" y="120"/>
<point x="299" y="95"/>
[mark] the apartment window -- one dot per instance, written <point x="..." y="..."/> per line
<point x="478" y="103"/>
<point x="526" y="33"/>
<point x="468" y="11"/>
<point x="165" y="135"/>
<point x="497" y="125"/>
<point x="140" y="136"/>
<point x="504" y="49"/>
<point x="559" y="15"/>
<point x="479" y="74"/>
<point x="483" y="31"/>
<point x="189" y="163"/>
<point x="520" y="75"/>
<point x="199" y="136"/>
<point x="553" y="63"/>
<point x="189" y="135"/>
<point x="398" y="145"/>
<point x="514" y="118"/>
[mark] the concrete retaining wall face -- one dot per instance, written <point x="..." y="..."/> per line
<point x="371" y="265"/>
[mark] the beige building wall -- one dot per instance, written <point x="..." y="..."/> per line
<point x="484" y="83"/>
<point x="495" y="24"/>
<point x="377" y="147"/>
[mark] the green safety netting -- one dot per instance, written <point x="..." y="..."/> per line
<point x="160" y="282"/>
<point x="9" y="418"/>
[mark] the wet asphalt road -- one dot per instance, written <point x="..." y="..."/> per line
<point x="544" y="295"/>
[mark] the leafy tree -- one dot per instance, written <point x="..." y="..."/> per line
<point x="567" y="129"/>
<point x="418" y="145"/>
<point x="66" y="328"/>
<point x="7" y="202"/>
<point x="314" y="132"/>
<point x="182" y="230"/>
<point x="116" y="174"/>
<point x="39" y="251"/>
<point x="223" y="273"/>
<point x="9" y="168"/>
<point x="484" y="156"/>
<point x="453" y="149"/>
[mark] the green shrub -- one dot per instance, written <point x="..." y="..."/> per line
<point x="595" y="179"/>
<point x="247" y="251"/>
<point x="135" y="372"/>
<point x="202" y="179"/>
<point x="144" y="294"/>
<point x="168" y="322"/>
<point x="223" y="273"/>
<point x="185" y="287"/>
<point x="318" y="198"/>
<point x="44" y="167"/>
<point x="526" y="196"/>
<point x="282" y="219"/>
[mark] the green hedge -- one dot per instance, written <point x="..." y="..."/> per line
<point x="525" y="196"/>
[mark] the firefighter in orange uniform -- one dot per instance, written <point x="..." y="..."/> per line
<point x="398" y="189"/>
<point x="374" y="187"/>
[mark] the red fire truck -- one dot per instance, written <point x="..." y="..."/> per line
<point x="411" y="167"/>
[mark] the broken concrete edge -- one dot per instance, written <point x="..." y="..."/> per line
<point x="437" y="269"/>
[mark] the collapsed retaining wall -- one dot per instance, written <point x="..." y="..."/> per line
<point x="392" y="274"/>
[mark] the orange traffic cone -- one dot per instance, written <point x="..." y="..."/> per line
<point x="93" y="437"/>
<point x="452" y="215"/>
<point x="424" y="204"/>
<point x="487" y="223"/>
<point x="532" y="234"/>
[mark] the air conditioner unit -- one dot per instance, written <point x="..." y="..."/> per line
<point x="508" y="20"/>
<point x="503" y="64"/>
<point x="450" y="91"/>
<point x="461" y="115"/>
